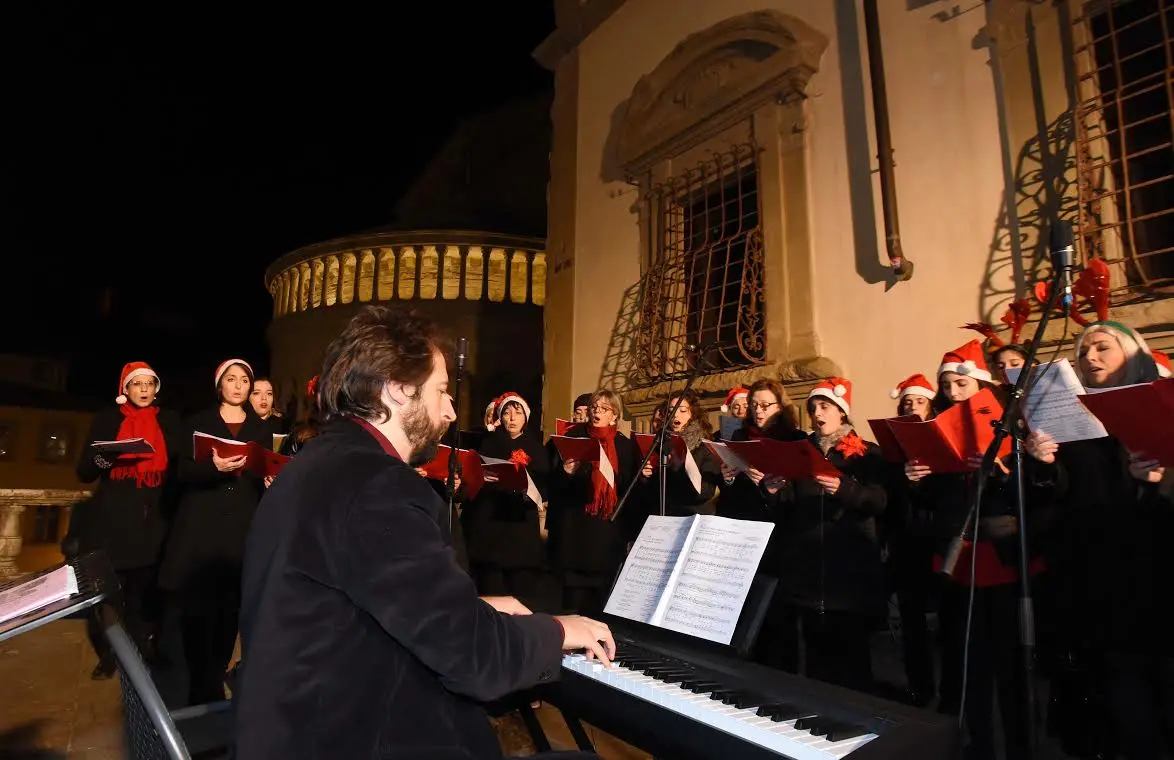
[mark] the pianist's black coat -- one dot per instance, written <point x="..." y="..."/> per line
<point x="829" y="557"/>
<point x="362" y="636"/>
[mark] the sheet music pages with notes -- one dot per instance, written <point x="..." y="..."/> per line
<point x="690" y="574"/>
<point x="1053" y="406"/>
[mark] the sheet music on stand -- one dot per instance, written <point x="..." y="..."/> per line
<point x="95" y="582"/>
<point x="690" y="575"/>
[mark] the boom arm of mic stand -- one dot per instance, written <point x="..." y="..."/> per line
<point x="658" y="444"/>
<point x="454" y="464"/>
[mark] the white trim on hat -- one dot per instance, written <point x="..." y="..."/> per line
<point x="840" y="400"/>
<point x="966" y="369"/>
<point x="515" y="398"/>
<point x="730" y="399"/>
<point x="913" y="390"/>
<point x="121" y="398"/>
<point x="224" y="365"/>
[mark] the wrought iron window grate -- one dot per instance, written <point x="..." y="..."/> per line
<point x="1125" y="137"/>
<point x="704" y="280"/>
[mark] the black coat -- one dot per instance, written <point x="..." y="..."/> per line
<point x="585" y="543"/>
<point x="362" y="636"/>
<point x="829" y="558"/>
<point x="207" y="540"/>
<point x="681" y="498"/>
<point x="1108" y="550"/>
<point x="502" y="527"/>
<point x="129" y="523"/>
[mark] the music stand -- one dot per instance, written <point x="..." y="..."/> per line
<point x="96" y="581"/>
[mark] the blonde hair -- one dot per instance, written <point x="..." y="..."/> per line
<point x="1140" y="366"/>
<point x="612" y="399"/>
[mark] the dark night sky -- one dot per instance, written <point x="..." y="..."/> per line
<point x="171" y="156"/>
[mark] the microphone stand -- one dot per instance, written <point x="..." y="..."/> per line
<point x="454" y="464"/>
<point x="658" y="445"/>
<point x="1007" y="426"/>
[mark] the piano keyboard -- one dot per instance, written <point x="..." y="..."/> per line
<point x="788" y="728"/>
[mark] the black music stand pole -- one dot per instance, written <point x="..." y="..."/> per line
<point x="454" y="464"/>
<point x="1008" y="425"/>
<point x="661" y="435"/>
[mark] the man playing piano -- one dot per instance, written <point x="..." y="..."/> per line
<point x="362" y="636"/>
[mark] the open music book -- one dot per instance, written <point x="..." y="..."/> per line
<point x="690" y="574"/>
<point x="123" y="446"/>
<point x="41" y="591"/>
<point x="1052" y="404"/>
<point x="259" y="460"/>
<point x="1138" y="416"/>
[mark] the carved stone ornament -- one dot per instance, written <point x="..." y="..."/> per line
<point x="716" y="78"/>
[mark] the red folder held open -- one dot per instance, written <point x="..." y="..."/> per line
<point x="946" y="443"/>
<point x="562" y="426"/>
<point x="577" y="449"/>
<point x="790" y="460"/>
<point x="890" y="448"/>
<point x="646" y="441"/>
<point x="258" y="459"/>
<point x="472" y="476"/>
<point x="1138" y="416"/>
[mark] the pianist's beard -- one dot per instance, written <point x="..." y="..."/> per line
<point x="422" y="433"/>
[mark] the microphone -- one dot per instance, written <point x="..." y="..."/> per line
<point x="1060" y="244"/>
<point x="462" y="349"/>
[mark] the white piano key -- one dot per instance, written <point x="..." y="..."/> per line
<point x="745" y="723"/>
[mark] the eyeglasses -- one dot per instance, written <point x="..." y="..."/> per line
<point x="141" y="385"/>
<point x="762" y="406"/>
<point x="602" y="409"/>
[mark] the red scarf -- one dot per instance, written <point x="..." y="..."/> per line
<point x="603" y="501"/>
<point x="148" y="470"/>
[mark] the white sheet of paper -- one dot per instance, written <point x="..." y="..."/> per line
<point x="42" y="591"/>
<point x="690" y="574"/>
<point x="729" y="458"/>
<point x="715" y="576"/>
<point x="648" y="568"/>
<point x="1052" y="404"/>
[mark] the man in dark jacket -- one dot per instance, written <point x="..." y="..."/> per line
<point x="362" y="636"/>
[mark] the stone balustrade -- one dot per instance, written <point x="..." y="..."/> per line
<point x="13" y="502"/>
<point x="406" y="266"/>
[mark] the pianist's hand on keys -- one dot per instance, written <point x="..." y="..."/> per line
<point x="589" y="635"/>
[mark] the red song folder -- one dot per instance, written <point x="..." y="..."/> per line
<point x="562" y="426"/>
<point x="577" y="449"/>
<point x="258" y="460"/>
<point x="472" y="476"/>
<point x="890" y="448"/>
<point x="790" y="460"/>
<point x="946" y="443"/>
<point x="1138" y="416"/>
<point x="646" y="441"/>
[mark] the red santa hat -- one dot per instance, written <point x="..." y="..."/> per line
<point x="838" y="390"/>
<point x="967" y="360"/>
<point x="510" y="397"/>
<point x="224" y="365"/>
<point x="491" y="415"/>
<point x="130" y="371"/>
<point x="732" y="395"/>
<point x="914" y="385"/>
<point x="1163" y="362"/>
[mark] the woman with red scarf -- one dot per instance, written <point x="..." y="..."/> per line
<point x="586" y="545"/>
<point x="125" y="516"/>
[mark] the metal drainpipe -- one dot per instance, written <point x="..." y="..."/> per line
<point x="902" y="267"/>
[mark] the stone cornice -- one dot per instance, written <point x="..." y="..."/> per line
<point x="576" y="21"/>
<point x="32" y="497"/>
<point x="397" y="238"/>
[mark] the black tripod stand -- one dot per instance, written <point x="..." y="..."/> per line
<point x="454" y="463"/>
<point x="1061" y="246"/>
<point x="658" y="446"/>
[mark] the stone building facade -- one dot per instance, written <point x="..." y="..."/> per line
<point x="715" y="178"/>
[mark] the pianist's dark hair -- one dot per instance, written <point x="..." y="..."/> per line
<point x="379" y="344"/>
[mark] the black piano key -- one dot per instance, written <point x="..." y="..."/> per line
<point x="746" y="701"/>
<point x="704" y="687"/>
<point x="816" y="724"/>
<point x="674" y="677"/>
<point x="842" y="731"/>
<point x="780" y="712"/>
<point x="719" y="694"/>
